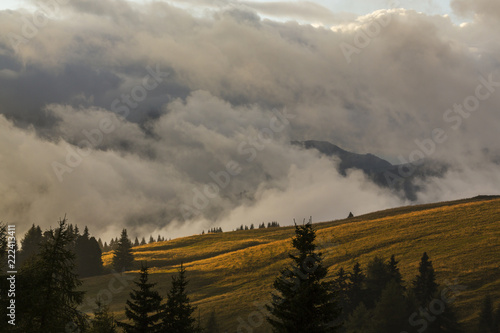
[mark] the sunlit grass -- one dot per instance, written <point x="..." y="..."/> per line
<point x="230" y="271"/>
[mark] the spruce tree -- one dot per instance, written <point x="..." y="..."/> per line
<point x="424" y="285"/>
<point x="340" y="287"/>
<point x="136" y="242"/>
<point x="377" y="277"/>
<point x="393" y="269"/>
<point x="88" y="255"/>
<point x="143" y="241"/>
<point x="212" y="325"/>
<point x="355" y="288"/>
<point x="101" y="246"/>
<point x="123" y="257"/>
<point x="103" y="321"/>
<point x="143" y="308"/>
<point x="30" y="244"/>
<point x="304" y="301"/>
<point x="51" y="285"/>
<point x="177" y="312"/>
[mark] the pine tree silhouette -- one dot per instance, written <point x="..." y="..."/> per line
<point x="304" y="302"/>
<point x="424" y="285"/>
<point x="103" y="321"/>
<point x="122" y="256"/>
<point x="177" y="312"/>
<point x="51" y="288"/>
<point x="143" y="307"/>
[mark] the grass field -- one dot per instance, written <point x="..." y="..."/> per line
<point x="232" y="272"/>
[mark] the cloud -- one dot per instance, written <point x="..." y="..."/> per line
<point x="79" y="84"/>
<point x="486" y="9"/>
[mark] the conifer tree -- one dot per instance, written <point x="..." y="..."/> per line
<point x="340" y="287"/>
<point x="424" y="285"/>
<point x="30" y="244"/>
<point x="151" y="239"/>
<point x="177" y="314"/>
<point x="393" y="269"/>
<point x="143" y="307"/>
<point x="355" y="287"/>
<point x="88" y="255"/>
<point x="51" y="285"/>
<point x="103" y="321"/>
<point x="123" y="257"/>
<point x="377" y="277"/>
<point x="304" y="301"/>
<point x="143" y="241"/>
<point x="136" y="241"/>
<point x="212" y="325"/>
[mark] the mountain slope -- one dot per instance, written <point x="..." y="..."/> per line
<point x="367" y="162"/>
<point x="233" y="272"/>
<point x="402" y="178"/>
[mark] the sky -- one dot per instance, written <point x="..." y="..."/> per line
<point x="176" y="117"/>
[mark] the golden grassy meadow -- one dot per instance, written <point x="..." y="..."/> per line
<point x="231" y="272"/>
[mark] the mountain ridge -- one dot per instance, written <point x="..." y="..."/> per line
<point x="380" y="171"/>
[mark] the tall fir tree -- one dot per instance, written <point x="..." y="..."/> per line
<point x="143" y="308"/>
<point x="355" y="288"/>
<point x="88" y="255"/>
<point x="393" y="269"/>
<point x="340" y="286"/>
<point x="377" y="277"/>
<point x="103" y="321"/>
<point x="30" y="244"/>
<point x="304" y="302"/>
<point x="50" y="290"/>
<point x="212" y="324"/>
<point x="123" y="258"/>
<point x="177" y="314"/>
<point x="424" y="285"/>
<point x="101" y="245"/>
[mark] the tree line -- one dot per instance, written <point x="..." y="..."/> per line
<point x="113" y="243"/>
<point x="86" y="249"/>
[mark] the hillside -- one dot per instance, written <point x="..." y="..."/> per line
<point x="378" y="169"/>
<point x="232" y="272"/>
